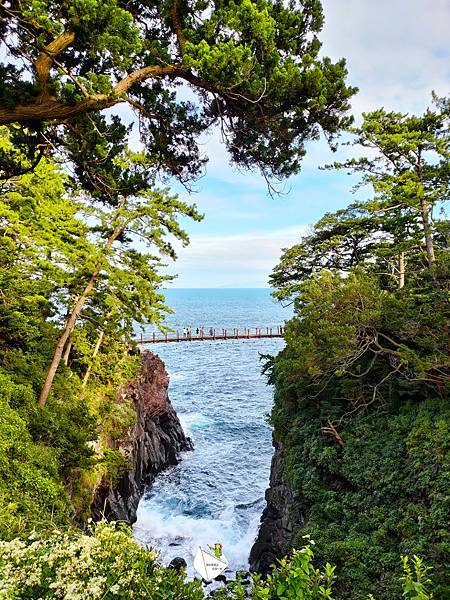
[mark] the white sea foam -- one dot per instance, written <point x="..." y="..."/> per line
<point x="190" y="422"/>
<point x="177" y="376"/>
<point x="181" y="535"/>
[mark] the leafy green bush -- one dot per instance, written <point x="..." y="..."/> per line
<point x="384" y="493"/>
<point x="416" y="583"/>
<point x="104" y="565"/>
<point x="113" y="466"/>
<point x="294" y="578"/>
<point x="363" y="425"/>
<point x="107" y="563"/>
<point x="31" y="490"/>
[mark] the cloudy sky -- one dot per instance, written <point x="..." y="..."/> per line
<point x="397" y="51"/>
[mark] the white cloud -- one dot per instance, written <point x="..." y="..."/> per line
<point x="397" y="51"/>
<point x="244" y="260"/>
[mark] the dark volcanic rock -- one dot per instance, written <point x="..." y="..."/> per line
<point x="177" y="564"/>
<point x="275" y="532"/>
<point x="151" y="445"/>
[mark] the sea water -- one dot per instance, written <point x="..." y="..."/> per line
<point x="216" y="492"/>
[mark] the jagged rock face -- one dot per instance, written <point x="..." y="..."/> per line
<point x="151" y="445"/>
<point x="275" y="533"/>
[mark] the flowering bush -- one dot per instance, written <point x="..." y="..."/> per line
<point x="104" y="565"/>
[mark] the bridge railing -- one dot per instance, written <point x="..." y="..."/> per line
<point x="190" y="334"/>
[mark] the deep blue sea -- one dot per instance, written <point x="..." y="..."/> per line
<point x="216" y="492"/>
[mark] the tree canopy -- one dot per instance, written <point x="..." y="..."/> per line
<point x="251" y="68"/>
<point x="396" y="233"/>
<point x="68" y="257"/>
<point x="409" y="168"/>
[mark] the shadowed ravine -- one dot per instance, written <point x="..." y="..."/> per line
<point x="216" y="493"/>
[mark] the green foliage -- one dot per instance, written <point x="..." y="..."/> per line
<point x="360" y="409"/>
<point x="367" y="341"/>
<point x="106" y="564"/>
<point x="361" y="417"/>
<point x="366" y="502"/>
<point x="410" y="177"/>
<point x="52" y="240"/>
<point x="409" y="171"/>
<point x="53" y="243"/>
<point x="31" y="491"/>
<point x="113" y="466"/>
<point x="295" y="578"/>
<point x="254" y="67"/>
<point x="416" y="582"/>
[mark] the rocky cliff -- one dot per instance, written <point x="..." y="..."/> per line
<point x="151" y="445"/>
<point x="277" y="521"/>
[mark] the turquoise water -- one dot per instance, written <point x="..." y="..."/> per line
<point x="216" y="493"/>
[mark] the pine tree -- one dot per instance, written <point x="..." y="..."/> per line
<point x="252" y="68"/>
<point x="407" y="166"/>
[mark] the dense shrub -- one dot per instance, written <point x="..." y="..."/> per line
<point x="31" y="490"/>
<point x="361" y="414"/>
<point x="107" y="563"/>
<point x="104" y="565"/>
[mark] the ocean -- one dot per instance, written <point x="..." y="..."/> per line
<point x="216" y="492"/>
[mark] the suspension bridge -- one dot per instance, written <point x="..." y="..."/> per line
<point x="207" y="334"/>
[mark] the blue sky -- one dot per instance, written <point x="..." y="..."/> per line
<point x="397" y="51"/>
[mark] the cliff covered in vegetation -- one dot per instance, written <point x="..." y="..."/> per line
<point x="150" y="445"/>
<point x="361" y="415"/>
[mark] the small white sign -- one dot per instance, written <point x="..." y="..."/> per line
<point x="208" y="565"/>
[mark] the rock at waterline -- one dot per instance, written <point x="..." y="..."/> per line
<point x="152" y="445"/>
<point x="177" y="564"/>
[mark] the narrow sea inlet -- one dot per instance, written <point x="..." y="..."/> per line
<point x="216" y="493"/>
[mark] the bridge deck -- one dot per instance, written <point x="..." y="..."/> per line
<point x="199" y="334"/>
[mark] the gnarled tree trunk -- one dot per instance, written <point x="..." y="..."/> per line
<point x="70" y="324"/>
